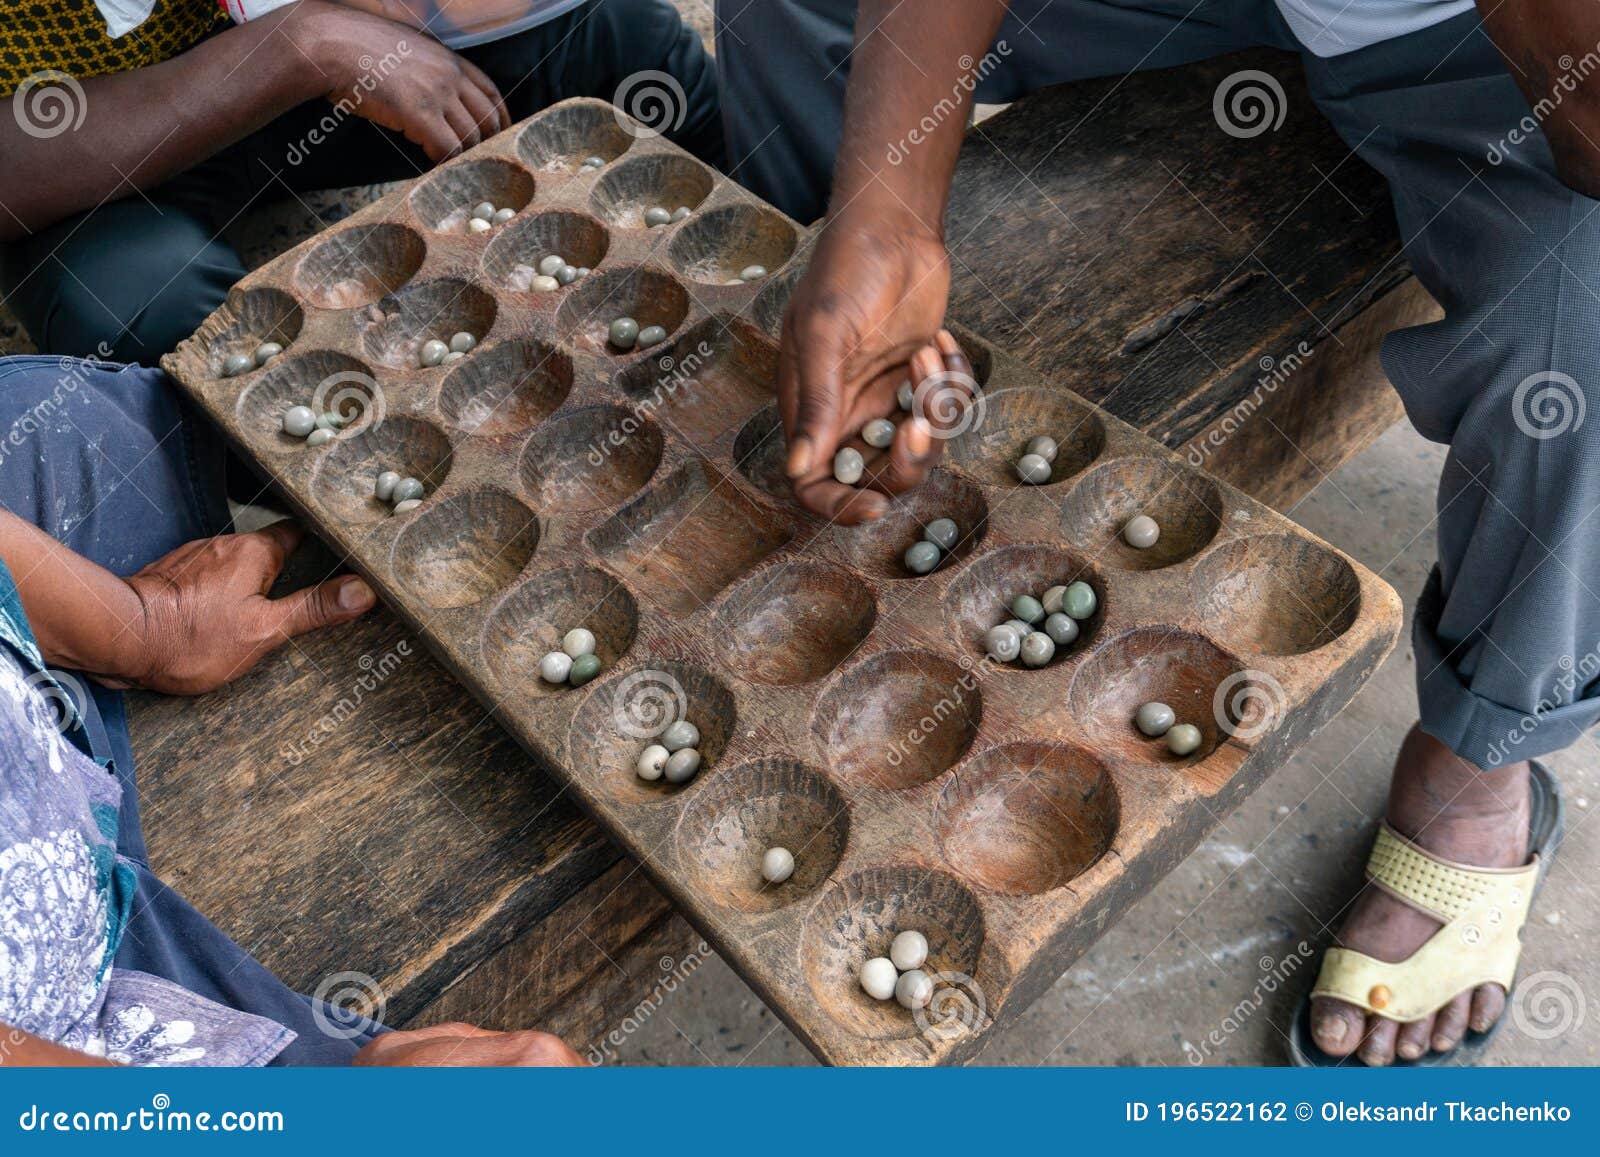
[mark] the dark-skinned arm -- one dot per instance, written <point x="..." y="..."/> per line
<point x="141" y="127"/>
<point x="873" y="298"/>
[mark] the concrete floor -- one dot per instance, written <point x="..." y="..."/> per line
<point x="1165" y="986"/>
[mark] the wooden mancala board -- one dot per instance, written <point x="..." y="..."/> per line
<point x="846" y="708"/>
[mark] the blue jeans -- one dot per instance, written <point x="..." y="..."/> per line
<point x="109" y="461"/>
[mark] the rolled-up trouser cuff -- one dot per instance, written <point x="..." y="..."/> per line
<point x="1487" y="734"/>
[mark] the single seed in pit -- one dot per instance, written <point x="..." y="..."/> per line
<point x="544" y="283"/>
<point x="777" y="865"/>
<point x="483" y="211"/>
<point x="682" y="765"/>
<point x="1038" y="649"/>
<point x="1027" y="608"/>
<point x="652" y="762"/>
<point x="914" y="989"/>
<point x="1033" y="469"/>
<point x="1079" y="600"/>
<point x="555" y="667"/>
<point x="752" y="273"/>
<point x="298" y="421"/>
<point x="680" y="212"/>
<point x="1002" y="643"/>
<point x="1141" y="532"/>
<point x="432" y="352"/>
<point x="478" y="225"/>
<point x="624" y="332"/>
<point x="922" y="557"/>
<point x="848" y="466"/>
<point x="594" y="162"/>
<point x="383" y="487"/>
<point x="652" y="335"/>
<point x="1061" y="628"/>
<point x="407" y="504"/>
<point x="905" y="396"/>
<point x="1052" y="599"/>
<point x="656" y="215"/>
<point x="878" y="978"/>
<point x="878" y="433"/>
<point x="566" y="275"/>
<point x="235" y="364"/>
<point x="501" y="216"/>
<point x="584" y="668"/>
<point x="942" y="531"/>
<point x="1183" y="739"/>
<point x="319" y="436"/>
<point x="679" y="735"/>
<point x="1155" y="719"/>
<point x="908" y="950"/>
<point x="578" y="641"/>
<point x="462" y="342"/>
<point x="549" y="265"/>
<point x="266" y="351"/>
<point x="1042" y="445"/>
<point x="733" y="281"/>
<point x="406" y="489"/>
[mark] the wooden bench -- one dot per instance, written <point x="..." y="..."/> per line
<point x="347" y="808"/>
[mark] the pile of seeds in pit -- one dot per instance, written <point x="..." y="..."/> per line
<point x="485" y="217"/>
<point x="938" y="537"/>
<point x="748" y="274"/>
<point x="1040" y="625"/>
<point x="657" y="216"/>
<point x="575" y="664"/>
<point x="437" y="353"/>
<point x="676" y="758"/>
<point x="625" y="334"/>
<point x="553" y="272"/>
<point x="401" y="491"/>
<point x="317" y="429"/>
<point x="900" y="975"/>
<point x="235" y="364"/>
<point x="1157" y="720"/>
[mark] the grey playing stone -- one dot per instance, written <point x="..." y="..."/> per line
<point x="656" y="215"/>
<point x="328" y="422"/>
<point x="462" y="342"/>
<point x="549" y="265"/>
<point x="922" y="557"/>
<point x="849" y="466"/>
<point x="595" y="162"/>
<point x="566" y="275"/>
<point x="652" y="335"/>
<point x="298" y="421"/>
<point x="680" y="212"/>
<point x="266" y="351"/>
<point x="1037" y="649"/>
<point x="942" y="531"/>
<point x="1033" y="469"/>
<point x="1002" y="643"/>
<point x="406" y="489"/>
<point x="682" y="765"/>
<point x="905" y="396"/>
<point x="584" y="668"/>
<point x="1155" y="719"/>
<point x="501" y="216"/>
<point x="624" y="332"/>
<point x="1042" y="445"/>
<point x="1141" y="532"/>
<point x="478" y="225"/>
<point x="878" y="433"/>
<point x="235" y="364"/>
<point x="1079" y="600"/>
<point x="408" y="504"/>
<point x="584" y="271"/>
<point x="752" y="273"/>
<point x="1061" y="628"/>
<point x="1028" y="609"/>
<point x="1183" y="739"/>
<point x="483" y="211"/>
<point x="432" y="352"/>
<point x="1022" y="627"/>
<point x="383" y="488"/>
<point x="679" y="735"/>
<point x="319" y="437"/>
<point x="1052" y="599"/>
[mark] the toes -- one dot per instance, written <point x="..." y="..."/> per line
<point x="1336" y="1026"/>
<point x="1450" y="1023"/>
<point x="1413" y="1039"/>
<point x="1488" y="1002"/>
<point x="1377" y="1049"/>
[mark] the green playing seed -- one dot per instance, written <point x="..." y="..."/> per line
<point x="624" y="332"/>
<point x="584" y="668"/>
<point x="298" y="421"/>
<point x="236" y="364"/>
<point x="1061" y="628"/>
<point x="1079" y="600"/>
<point x="680" y="212"/>
<point x="566" y="275"/>
<point x="656" y="215"/>
<point x="942" y="531"/>
<point x="406" y="489"/>
<point x="549" y="264"/>
<point x="1155" y="719"/>
<point x="383" y="487"/>
<point x="878" y="433"/>
<point x="1183" y="739"/>
<point x="652" y="335"/>
<point x="433" y="352"/>
<point x="1027" y="608"/>
<point x="501" y="216"/>
<point x="319" y="436"/>
<point x="922" y="557"/>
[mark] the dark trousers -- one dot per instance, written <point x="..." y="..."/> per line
<point x="131" y="279"/>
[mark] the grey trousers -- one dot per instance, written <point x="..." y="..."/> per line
<point x="1507" y="630"/>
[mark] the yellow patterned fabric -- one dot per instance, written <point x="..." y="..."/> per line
<point x="69" y="36"/>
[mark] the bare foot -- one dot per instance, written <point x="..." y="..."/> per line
<point x="1454" y="810"/>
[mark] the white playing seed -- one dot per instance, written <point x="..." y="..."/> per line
<point x="555" y="667"/>
<point x="878" y="433"/>
<point x="578" y="641"/>
<point x="878" y="977"/>
<point x="1002" y="643"/>
<point x="478" y="225"/>
<point x="1033" y="469"/>
<point x="1552" y="918"/>
<point x="849" y="466"/>
<point x="1141" y="532"/>
<point x="1042" y="445"/>
<point x="652" y="762"/>
<point x="266" y="351"/>
<point x="544" y="284"/>
<point x="1052" y="599"/>
<point x="909" y="950"/>
<point x="914" y="989"/>
<point x="680" y="212"/>
<point x="319" y="436"/>
<point x="298" y="421"/>
<point x="752" y="273"/>
<point x="408" y="504"/>
<point x="383" y="487"/>
<point x="501" y="216"/>
<point x="549" y="265"/>
<point x="777" y="865"/>
<point x="483" y="211"/>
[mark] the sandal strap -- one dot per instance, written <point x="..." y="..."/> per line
<point x="1442" y="888"/>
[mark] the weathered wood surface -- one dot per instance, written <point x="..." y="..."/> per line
<point x="308" y="866"/>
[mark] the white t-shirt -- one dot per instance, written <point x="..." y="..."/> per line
<point x="1332" y="27"/>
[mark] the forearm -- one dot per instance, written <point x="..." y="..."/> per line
<point x="83" y="616"/>
<point x="26" y="1050"/>
<point x="909" y="98"/>
<point x="142" y="127"/>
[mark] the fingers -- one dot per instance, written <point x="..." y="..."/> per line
<point x="324" y="605"/>
<point x="267" y="549"/>
<point x="839" y="503"/>
<point x="482" y="110"/>
<point x="814" y="389"/>
<point x="500" y="116"/>
<point x="462" y="124"/>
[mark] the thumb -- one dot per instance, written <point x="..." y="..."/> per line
<point x="324" y="605"/>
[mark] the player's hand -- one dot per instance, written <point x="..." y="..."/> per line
<point x="465" y="1046"/>
<point x="871" y="301"/>
<point x="434" y="97"/>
